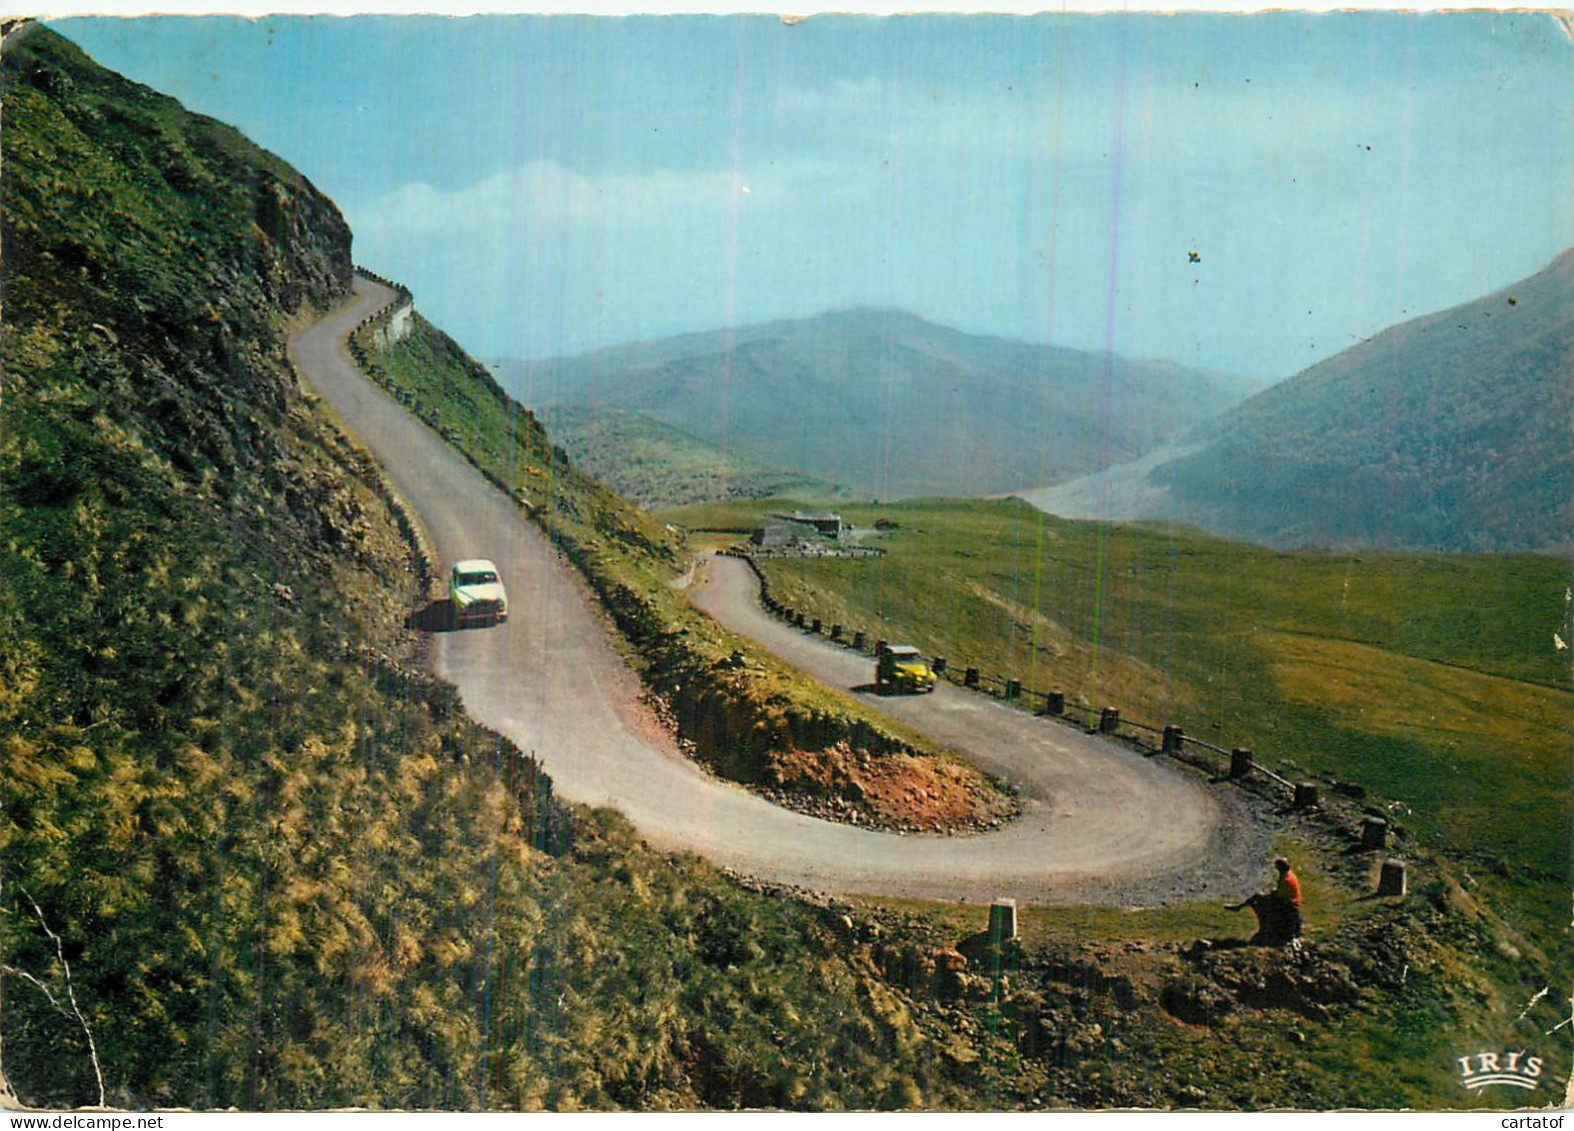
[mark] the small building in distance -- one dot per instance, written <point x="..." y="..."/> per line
<point x="826" y="525"/>
<point x="804" y="535"/>
<point x="782" y="533"/>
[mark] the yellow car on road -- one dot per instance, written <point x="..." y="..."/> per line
<point x="901" y="667"/>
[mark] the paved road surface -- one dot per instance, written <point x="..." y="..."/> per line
<point x="1100" y="823"/>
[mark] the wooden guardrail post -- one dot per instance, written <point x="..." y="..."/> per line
<point x="1240" y="762"/>
<point x="1055" y="703"/>
<point x="939" y="665"/>
<point x="970" y="677"/>
<point x="1305" y="795"/>
<point x="1174" y="740"/>
<point x="859" y="640"/>
<point x="1374" y="833"/>
<point x="836" y="632"/>
<point x="1391" y="880"/>
<point x="816" y="626"/>
<point x="1013" y="690"/>
<point x="1002" y="920"/>
<point x="1109" y="720"/>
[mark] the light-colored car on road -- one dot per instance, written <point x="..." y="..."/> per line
<point x="477" y="592"/>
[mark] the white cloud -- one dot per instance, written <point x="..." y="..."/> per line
<point x="539" y="192"/>
<point x="837" y="96"/>
<point x="545" y="193"/>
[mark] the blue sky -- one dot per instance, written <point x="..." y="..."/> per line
<point x="549" y="184"/>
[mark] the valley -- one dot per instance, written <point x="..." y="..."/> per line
<point x="884" y="404"/>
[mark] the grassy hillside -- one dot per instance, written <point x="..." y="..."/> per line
<point x="1448" y="433"/>
<point x="654" y="465"/>
<point x="224" y="782"/>
<point x="1431" y="681"/>
<point x="885" y="405"/>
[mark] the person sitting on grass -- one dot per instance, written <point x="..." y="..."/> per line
<point x="1278" y="909"/>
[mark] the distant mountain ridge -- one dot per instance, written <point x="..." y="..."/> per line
<point x="1450" y="432"/>
<point x="885" y="403"/>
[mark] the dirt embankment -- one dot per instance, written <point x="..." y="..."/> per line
<point x="728" y="715"/>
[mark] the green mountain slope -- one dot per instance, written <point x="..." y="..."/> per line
<point x="883" y="403"/>
<point x="221" y="773"/>
<point x="1449" y="432"/>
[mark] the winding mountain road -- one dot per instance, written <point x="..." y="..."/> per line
<point x="1100" y="822"/>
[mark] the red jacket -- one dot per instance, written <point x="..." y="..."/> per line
<point x="1288" y="889"/>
